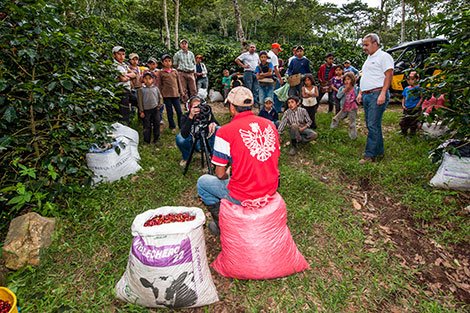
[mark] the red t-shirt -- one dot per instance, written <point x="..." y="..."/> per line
<point x="251" y="144"/>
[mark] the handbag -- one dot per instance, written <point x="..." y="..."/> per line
<point x="294" y="80"/>
<point x="266" y="81"/>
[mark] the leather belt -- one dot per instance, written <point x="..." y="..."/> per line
<point x="372" y="90"/>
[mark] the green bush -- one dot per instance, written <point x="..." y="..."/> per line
<point x="56" y="97"/>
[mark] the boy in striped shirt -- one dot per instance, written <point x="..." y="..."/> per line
<point x="298" y="120"/>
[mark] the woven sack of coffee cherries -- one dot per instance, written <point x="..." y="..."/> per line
<point x="255" y="240"/>
<point x="167" y="265"/>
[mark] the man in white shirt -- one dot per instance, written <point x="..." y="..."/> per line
<point x="377" y="73"/>
<point x="273" y="58"/>
<point x="249" y="61"/>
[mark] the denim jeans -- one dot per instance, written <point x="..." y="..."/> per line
<point x="212" y="189"/>
<point x="277" y="103"/>
<point x="185" y="145"/>
<point x="170" y="103"/>
<point x="250" y="81"/>
<point x="264" y="92"/>
<point x="373" y="114"/>
<point x="202" y="83"/>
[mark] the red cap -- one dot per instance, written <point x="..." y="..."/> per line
<point x="276" y="46"/>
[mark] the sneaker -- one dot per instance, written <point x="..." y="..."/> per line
<point x="213" y="228"/>
<point x="292" y="151"/>
<point x="365" y="160"/>
<point x="161" y="122"/>
<point x="183" y="163"/>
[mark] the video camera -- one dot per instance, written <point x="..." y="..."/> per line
<point x="202" y="120"/>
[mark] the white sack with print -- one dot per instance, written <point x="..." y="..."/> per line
<point x="112" y="164"/>
<point x="128" y="136"/>
<point x="167" y="264"/>
<point x="454" y="173"/>
<point x="215" y="96"/>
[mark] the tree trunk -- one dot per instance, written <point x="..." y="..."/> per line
<point x="402" y="38"/>
<point x="238" y="18"/>
<point x="177" y="21"/>
<point x="167" y="28"/>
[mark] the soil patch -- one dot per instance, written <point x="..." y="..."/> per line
<point x="442" y="270"/>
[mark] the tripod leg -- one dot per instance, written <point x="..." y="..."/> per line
<point x="188" y="162"/>
<point x="207" y="154"/>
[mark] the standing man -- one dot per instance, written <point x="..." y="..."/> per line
<point x="272" y="57"/>
<point x="325" y="74"/>
<point x="298" y="67"/>
<point x="124" y="78"/>
<point x="185" y="63"/>
<point x="377" y="73"/>
<point x="136" y="82"/>
<point x="251" y="145"/>
<point x="249" y="61"/>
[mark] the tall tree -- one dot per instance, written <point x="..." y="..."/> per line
<point x="238" y="18"/>
<point x="402" y="37"/>
<point x="167" y="27"/>
<point x="177" y="21"/>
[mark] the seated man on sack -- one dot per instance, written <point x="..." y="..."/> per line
<point x="250" y="145"/>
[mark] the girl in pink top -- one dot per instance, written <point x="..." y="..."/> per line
<point x="347" y="97"/>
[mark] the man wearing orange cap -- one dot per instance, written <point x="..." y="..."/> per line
<point x="273" y="58"/>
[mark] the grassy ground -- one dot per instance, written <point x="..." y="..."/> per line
<point x="339" y="216"/>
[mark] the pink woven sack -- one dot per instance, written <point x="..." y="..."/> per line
<point x="256" y="242"/>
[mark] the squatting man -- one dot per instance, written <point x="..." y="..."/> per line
<point x="249" y="145"/>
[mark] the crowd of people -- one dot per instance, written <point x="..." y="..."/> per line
<point x="245" y="152"/>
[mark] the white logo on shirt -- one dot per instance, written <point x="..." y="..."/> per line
<point x="260" y="144"/>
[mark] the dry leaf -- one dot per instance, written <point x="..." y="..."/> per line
<point x="356" y="204"/>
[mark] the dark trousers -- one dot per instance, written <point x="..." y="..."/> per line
<point x="409" y="120"/>
<point x="125" y="108"/>
<point x="170" y="103"/>
<point x="151" y="124"/>
<point x="311" y="113"/>
<point x="330" y="99"/>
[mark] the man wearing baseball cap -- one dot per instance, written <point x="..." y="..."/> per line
<point x="250" y="145"/>
<point x="124" y="78"/>
<point x="185" y="63"/>
<point x="273" y="58"/>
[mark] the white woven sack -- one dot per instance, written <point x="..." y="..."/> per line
<point x="215" y="96"/>
<point x="109" y="166"/>
<point x="122" y="130"/>
<point x="454" y="173"/>
<point x="167" y="264"/>
<point x="434" y="130"/>
<point x="132" y="145"/>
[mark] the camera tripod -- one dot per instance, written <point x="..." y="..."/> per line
<point x="201" y="137"/>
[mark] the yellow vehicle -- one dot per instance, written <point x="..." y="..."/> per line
<point x="412" y="55"/>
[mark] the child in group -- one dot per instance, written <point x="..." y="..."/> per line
<point x="269" y="112"/>
<point x="309" y="98"/>
<point x="149" y="101"/>
<point x="411" y="104"/>
<point x="336" y="82"/>
<point x="236" y="82"/>
<point x="347" y="98"/>
<point x="298" y="121"/>
<point x="170" y="88"/>
<point x="264" y="75"/>
<point x="226" y="81"/>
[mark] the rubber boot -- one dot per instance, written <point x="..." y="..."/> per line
<point x="214" y="224"/>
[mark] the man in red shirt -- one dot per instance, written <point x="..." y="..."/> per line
<point x="325" y="73"/>
<point x="250" y="145"/>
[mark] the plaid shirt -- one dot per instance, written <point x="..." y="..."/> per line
<point x="297" y="117"/>
<point x="184" y="61"/>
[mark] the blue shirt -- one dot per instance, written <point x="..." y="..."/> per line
<point x="271" y="115"/>
<point x="351" y="69"/>
<point x="264" y="68"/>
<point x="412" y="96"/>
<point x="299" y="66"/>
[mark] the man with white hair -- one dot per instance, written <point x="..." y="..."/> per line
<point x="377" y="73"/>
